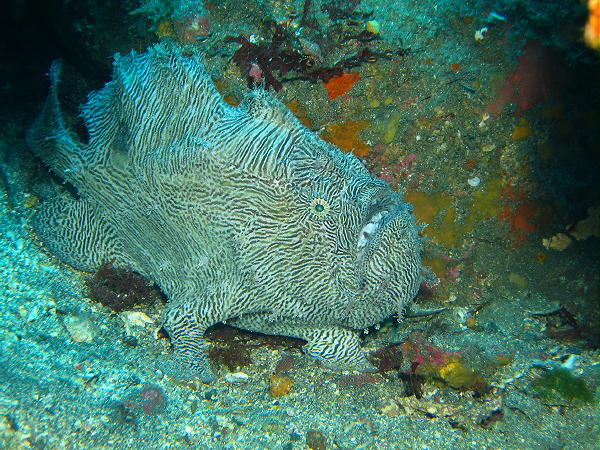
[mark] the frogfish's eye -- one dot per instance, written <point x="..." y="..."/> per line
<point x="319" y="207"/>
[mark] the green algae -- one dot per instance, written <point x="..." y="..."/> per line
<point x="562" y="384"/>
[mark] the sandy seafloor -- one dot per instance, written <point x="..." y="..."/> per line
<point x="73" y="374"/>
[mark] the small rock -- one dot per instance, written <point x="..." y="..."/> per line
<point x="81" y="328"/>
<point x="135" y="318"/>
<point x="279" y="385"/>
<point x="474" y="182"/>
<point x="291" y="412"/>
<point x="130" y="341"/>
<point x="295" y="437"/>
<point x="517" y="280"/>
<point x="373" y="27"/>
<point x="480" y="34"/>
<point x="570" y="362"/>
<point x="484" y="119"/>
<point x="391" y="409"/>
<point x="557" y="242"/>
<point x="315" y="440"/>
<point x="586" y="227"/>
<point x="237" y="377"/>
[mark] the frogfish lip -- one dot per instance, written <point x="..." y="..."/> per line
<point x="388" y="265"/>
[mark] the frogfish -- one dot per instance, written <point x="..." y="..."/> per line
<point x="239" y="214"/>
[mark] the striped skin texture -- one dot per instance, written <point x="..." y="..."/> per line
<point x="238" y="214"/>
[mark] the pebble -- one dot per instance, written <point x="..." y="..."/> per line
<point x="316" y="440"/>
<point x="373" y="27"/>
<point x="480" y="34"/>
<point x="484" y="119"/>
<point x="279" y="385"/>
<point x="391" y="127"/>
<point x="291" y="412"/>
<point x="391" y="409"/>
<point x="237" y="377"/>
<point x="474" y="182"/>
<point x="135" y="318"/>
<point x="80" y="328"/>
<point x="570" y="363"/>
